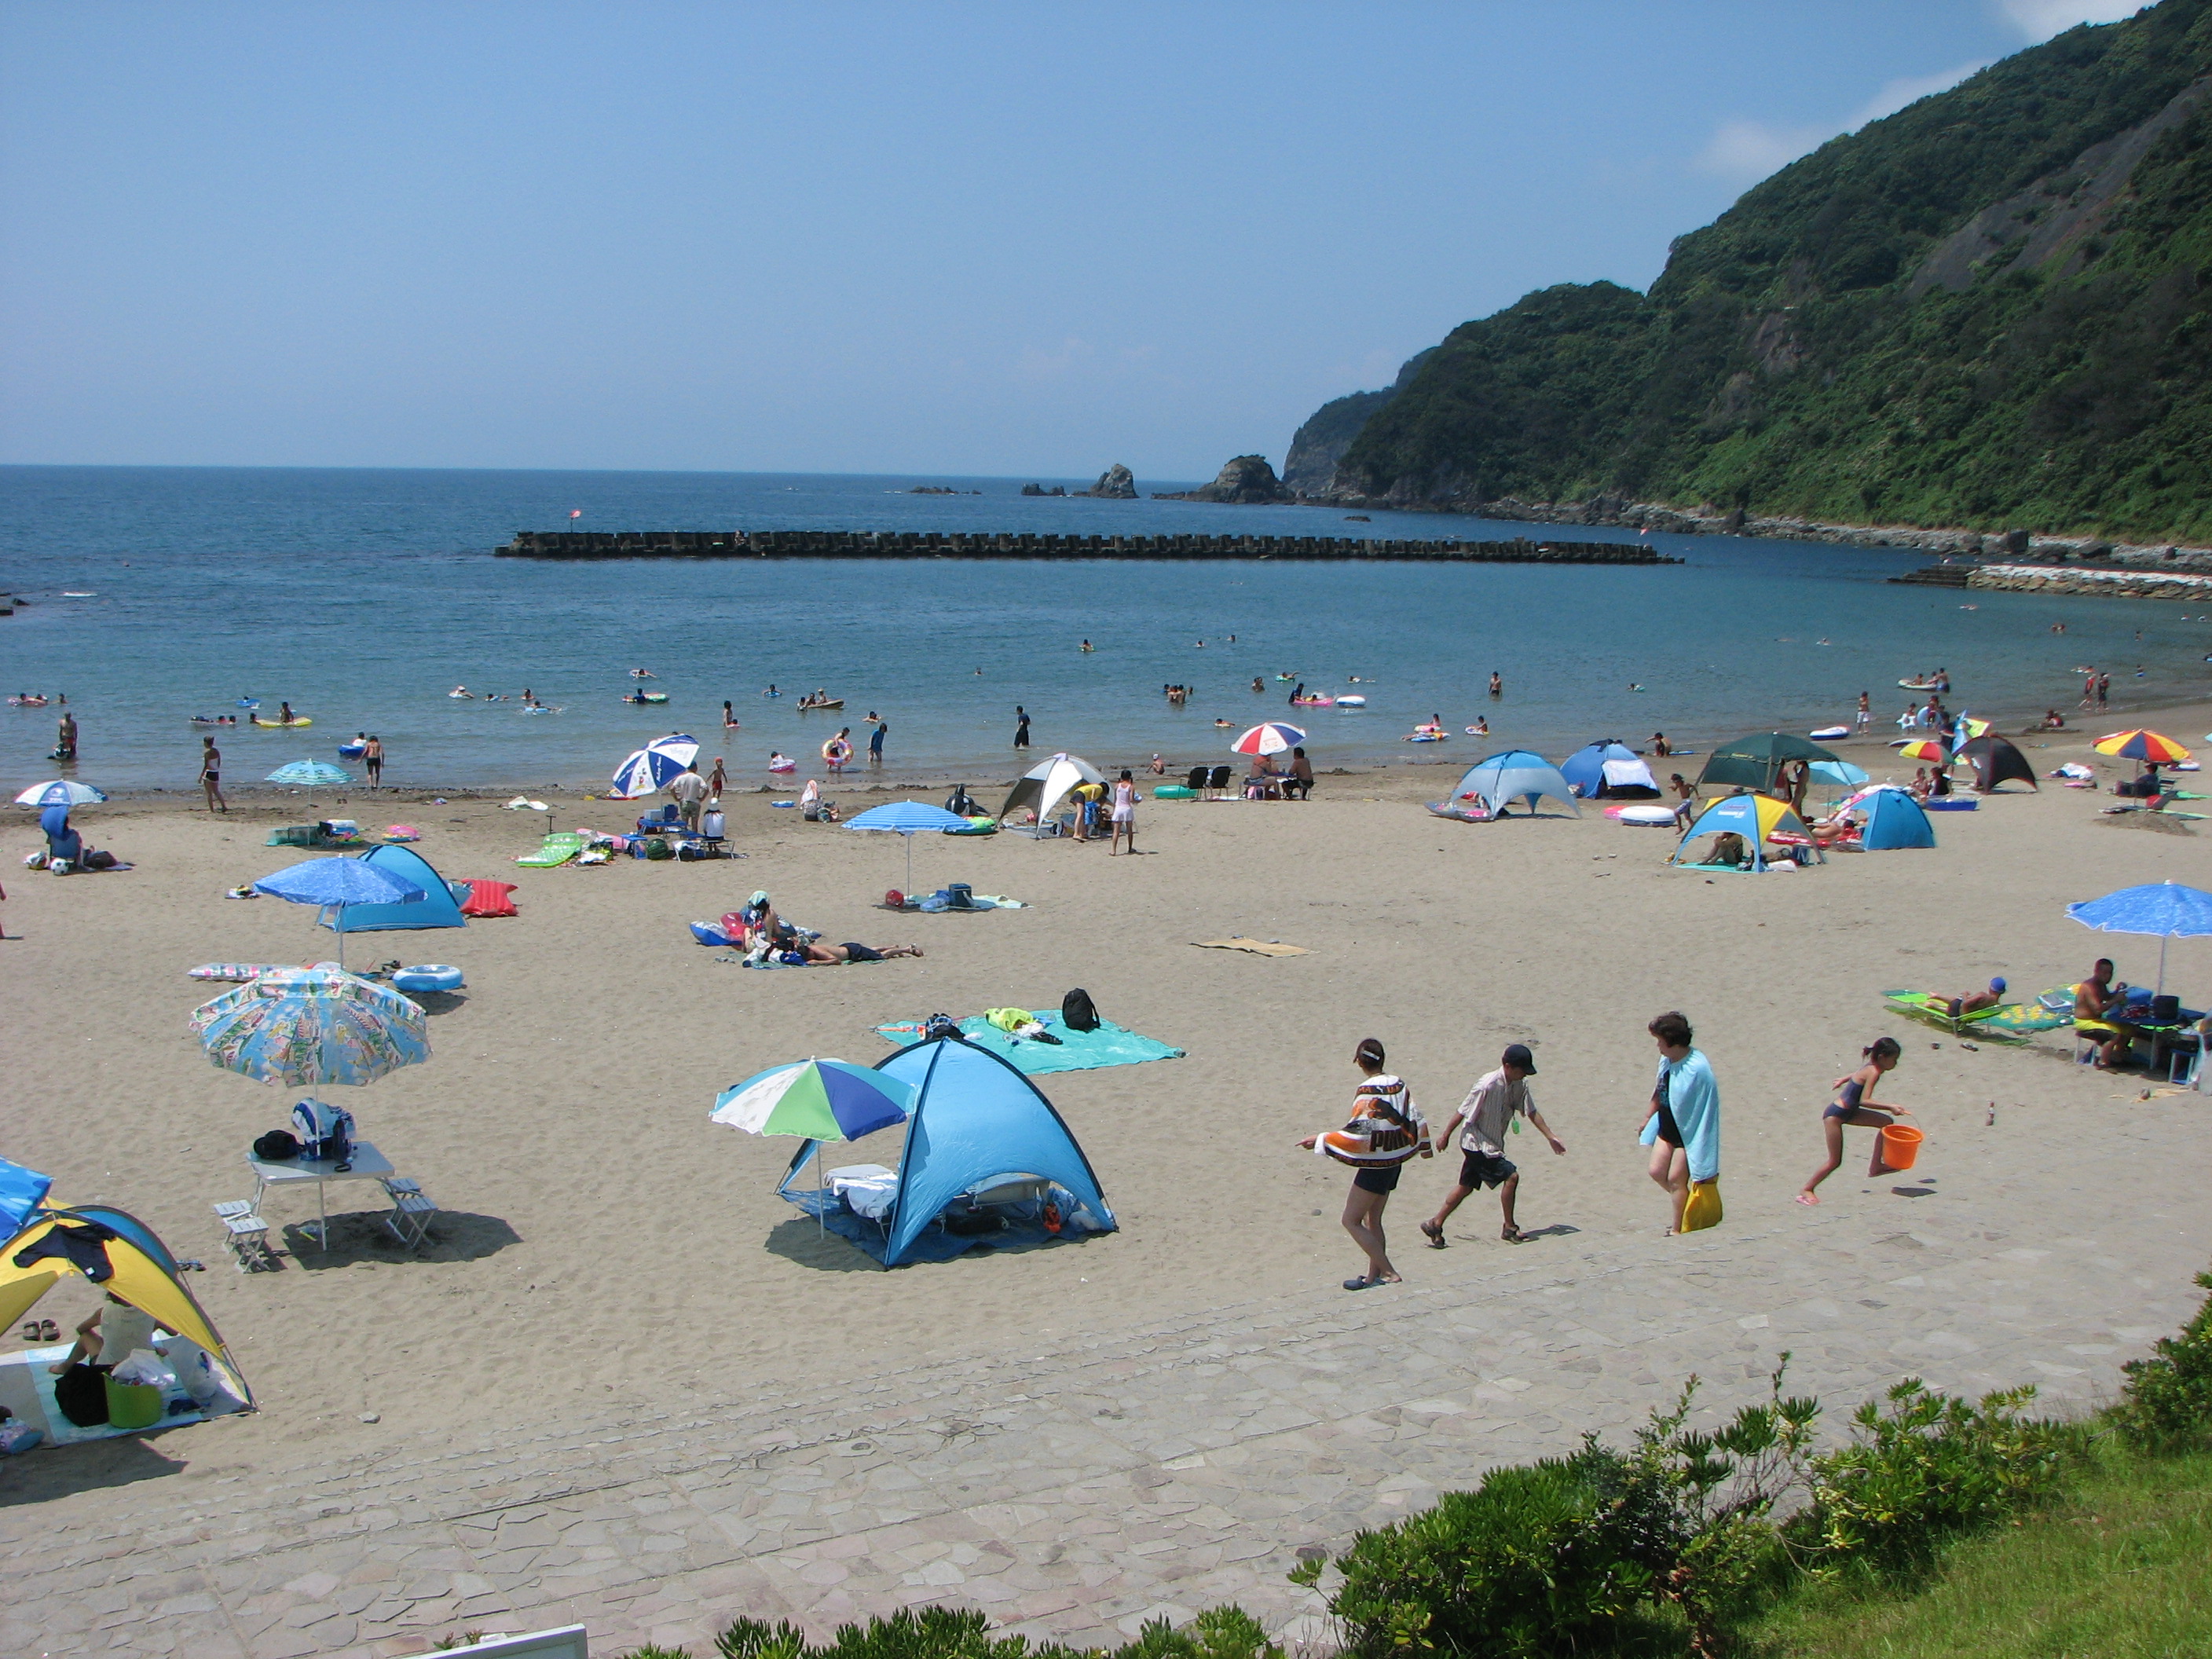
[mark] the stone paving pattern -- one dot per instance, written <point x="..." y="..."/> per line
<point x="1076" y="1492"/>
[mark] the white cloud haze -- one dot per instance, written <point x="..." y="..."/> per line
<point x="2039" y="19"/>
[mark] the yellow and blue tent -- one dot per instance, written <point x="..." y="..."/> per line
<point x="1755" y="818"/>
<point x="121" y="1255"/>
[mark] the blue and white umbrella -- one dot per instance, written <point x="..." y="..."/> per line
<point x="337" y="882"/>
<point x="62" y="791"/>
<point x="2164" y="907"/>
<point x="311" y="773"/>
<point x="908" y="819"/>
<point x="655" y="766"/>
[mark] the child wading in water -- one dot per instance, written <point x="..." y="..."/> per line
<point x="1855" y="1104"/>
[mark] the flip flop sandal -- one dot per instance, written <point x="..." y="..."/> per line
<point x="30" y="1331"/>
<point x="50" y="1331"/>
<point x="1509" y="1233"/>
<point x="1434" y="1234"/>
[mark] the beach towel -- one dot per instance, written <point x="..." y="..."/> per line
<point x="2008" y="1022"/>
<point x="1695" y="1100"/>
<point x="1079" y="1051"/>
<point x="487" y="898"/>
<point x="557" y="850"/>
<point x="1257" y="947"/>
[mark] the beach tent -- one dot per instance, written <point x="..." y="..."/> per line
<point x="22" y="1190"/>
<point x="1044" y="785"/>
<point x="119" y="1254"/>
<point x="1755" y="818"/>
<point x="976" y="1122"/>
<point x="1610" y="771"/>
<point x="1994" y="760"/>
<point x="1515" y="774"/>
<point x="1893" y="820"/>
<point x="1756" y="762"/>
<point x="437" y="907"/>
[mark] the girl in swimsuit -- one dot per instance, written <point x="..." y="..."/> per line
<point x="1394" y="1133"/>
<point x="1854" y="1104"/>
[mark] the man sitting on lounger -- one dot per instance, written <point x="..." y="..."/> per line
<point x="2098" y="1000"/>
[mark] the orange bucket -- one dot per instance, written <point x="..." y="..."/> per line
<point x="1900" y="1144"/>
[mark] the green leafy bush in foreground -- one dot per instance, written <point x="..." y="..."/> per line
<point x="1666" y="1546"/>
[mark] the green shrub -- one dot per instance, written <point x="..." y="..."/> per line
<point x="1928" y="1469"/>
<point x="1227" y="1632"/>
<point x="2167" y="1403"/>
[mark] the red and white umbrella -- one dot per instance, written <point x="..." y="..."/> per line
<point x="1268" y="738"/>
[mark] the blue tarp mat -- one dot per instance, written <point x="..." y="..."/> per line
<point x="1023" y="1231"/>
<point x="1079" y="1051"/>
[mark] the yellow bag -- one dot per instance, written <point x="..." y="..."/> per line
<point x="1703" y="1207"/>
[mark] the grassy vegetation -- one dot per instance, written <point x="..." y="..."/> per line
<point x="1783" y="364"/>
<point x="2122" y="1570"/>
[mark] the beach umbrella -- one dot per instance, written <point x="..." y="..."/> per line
<point x="655" y="766"/>
<point x="1268" y="738"/>
<point x="62" y="791"/>
<point x="907" y="818"/>
<point x="1927" y="749"/>
<point x="302" y="1026"/>
<point x="311" y="773"/>
<point x="2150" y="747"/>
<point x="337" y="882"/>
<point x="821" y="1099"/>
<point x="1756" y="762"/>
<point x="1842" y="774"/>
<point x="2165" y="908"/>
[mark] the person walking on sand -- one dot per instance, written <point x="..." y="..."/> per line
<point x="1124" y="814"/>
<point x="1683" y="1124"/>
<point x="372" y="759"/>
<point x="1021" y="726"/>
<point x="1384" y="1132"/>
<point x="1490" y="1107"/>
<point x="211" y="775"/>
<point x="1855" y="1104"/>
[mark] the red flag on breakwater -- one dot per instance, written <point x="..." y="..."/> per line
<point x="575" y="512"/>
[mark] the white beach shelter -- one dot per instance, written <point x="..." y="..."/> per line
<point x="1044" y="785"/>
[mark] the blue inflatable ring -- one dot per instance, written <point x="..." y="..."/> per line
<point x="428" y="976"/>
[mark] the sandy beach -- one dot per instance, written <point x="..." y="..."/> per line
<point x="603" y="1243"/>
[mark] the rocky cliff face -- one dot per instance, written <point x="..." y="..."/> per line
<point x="1320" y="444"/>
<point x="1246" y="481"/>
<point x="1115" y="483"/>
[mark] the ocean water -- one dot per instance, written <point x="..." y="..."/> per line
<point x="362" y="597"/>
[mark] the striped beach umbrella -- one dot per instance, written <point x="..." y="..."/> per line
<point x="1925" y="749"/>
<point x="654" y="767"/>
<point x="2151" y="747"/>
<point x="1268" y="738"/>
<point x="820" y="1099"/>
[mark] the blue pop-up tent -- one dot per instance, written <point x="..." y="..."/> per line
<point x="1515" y="774"/>
<point x="437" y="907"/>
<point x="1610" y="770"/>
<point x="1893" y="820"/>
<point x="976" y="1123"/>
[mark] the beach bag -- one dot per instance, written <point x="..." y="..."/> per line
<point x="959" y="896"/>
<point x="1078" y="1012"/>
<point x="2165" y="1010"/>
<point x="277" y="1146"/>
<point x="940" y="1025"/>
<point x="326" y="1132"/>
<point x="1702" y="1209"/>
<point x="81" y="1393"/>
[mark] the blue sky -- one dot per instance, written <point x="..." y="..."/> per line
<point x="981" y="239"/>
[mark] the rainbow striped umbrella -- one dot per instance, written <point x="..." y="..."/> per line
<point x="820" y="1099"/>
<point x="1925" y="749"/>
<point x="2148" y="746"/>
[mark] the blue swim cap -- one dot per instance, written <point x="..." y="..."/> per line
<point x="1997" y="984"/>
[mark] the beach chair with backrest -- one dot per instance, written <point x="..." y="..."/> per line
<point x="1217" y="781"/>
<point x="1196" y="781"/>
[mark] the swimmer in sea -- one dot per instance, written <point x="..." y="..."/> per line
<point x="1087" y="645"/>
<point x="1481" y="726"/>
<point x="643" y="674"/>
<point x="1224" y="722"/>
<point x="461" y="691"/>
<point x="1256" y="685"/>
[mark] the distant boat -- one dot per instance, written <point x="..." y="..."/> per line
<point x="826" y="702"/>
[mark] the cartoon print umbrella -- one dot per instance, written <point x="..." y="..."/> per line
<point x="301" y="1026"/>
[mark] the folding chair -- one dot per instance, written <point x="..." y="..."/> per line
<point x="411" y="1211"/>
<point x="248" y="1234"/>
<point x="1196" y="781"/>
<point x="1217" y="781"/>
<point x="2094" y="1034"/>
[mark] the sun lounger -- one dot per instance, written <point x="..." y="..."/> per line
<point x="557" y="850"/>
<point x="1932" y="1010"/>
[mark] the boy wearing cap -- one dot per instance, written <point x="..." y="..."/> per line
<point x="1488" y="1110"/>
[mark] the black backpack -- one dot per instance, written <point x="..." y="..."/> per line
<point x="277" y="1146"/>
<point x="1078" y="1012"/>
<point x="81" y="1393"/>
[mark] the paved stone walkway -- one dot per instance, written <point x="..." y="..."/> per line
<point x="1078" y="1492"/>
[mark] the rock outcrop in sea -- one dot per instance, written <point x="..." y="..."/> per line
<point x="1245" y="481"/>
<point x="1115" y="483"/>
<point x="1320" y="444"/>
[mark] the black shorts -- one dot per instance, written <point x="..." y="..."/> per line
<point x="1669" y="1131"/>
<point x="1479" y="1169"/>
<point x="1379" y="1178"/>
<point x="862" y="953"/>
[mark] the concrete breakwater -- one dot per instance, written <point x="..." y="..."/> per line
<point x="924" y="544"/>
<point x="2108" y="581"/>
